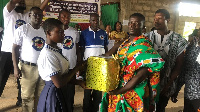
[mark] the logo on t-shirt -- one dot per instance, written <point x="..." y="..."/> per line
<point x="19" y="23"/>
<point x="38" y="43"/>
<point x="101" y="37"/>
<point x="68" y="42"/>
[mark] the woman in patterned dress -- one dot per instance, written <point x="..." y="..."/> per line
<point x="118" y="34"/>
<point x="138" y="89"/>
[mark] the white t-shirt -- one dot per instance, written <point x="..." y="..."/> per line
<point x="31" y="41"/>
<point x="12" y="20"/>
<point x="69" y="45"/>
<point x="51" y="62"/>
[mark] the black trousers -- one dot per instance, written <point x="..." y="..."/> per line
<point x="91" y="100"/>
<point x="162" y="103"/>
<point x="19" y="98"/>
<point x="6" y="66"/>
<point x="191" y="105"/>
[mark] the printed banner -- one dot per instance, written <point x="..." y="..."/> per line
<point x="80" y="9"/>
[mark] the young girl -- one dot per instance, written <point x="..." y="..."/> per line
<point x="53" y="68"/>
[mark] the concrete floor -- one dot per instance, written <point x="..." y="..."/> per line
<point x="8" y="99"/>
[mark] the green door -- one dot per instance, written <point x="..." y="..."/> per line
<point x="109" y="14"/>
<point x="2" y="4"/>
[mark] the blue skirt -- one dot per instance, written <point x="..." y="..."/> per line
<point x="51" y="99"/>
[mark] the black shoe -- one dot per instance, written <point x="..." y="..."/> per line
<point x="19" y="103"/>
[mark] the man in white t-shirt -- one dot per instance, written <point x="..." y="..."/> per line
<point x="29" y="40"/>
<point x="14" y="17"/>
<point x="70" y="49"/>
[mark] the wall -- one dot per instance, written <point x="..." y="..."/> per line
<point x="181" y="22"/>
<point x="31" y="3"/>
<point x="148" y="8"/>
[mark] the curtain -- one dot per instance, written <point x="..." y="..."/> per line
<point x="72" y="24"/>
<point x="109" y="14"/>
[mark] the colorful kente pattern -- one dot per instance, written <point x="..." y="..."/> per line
<point x="136" y="54"/>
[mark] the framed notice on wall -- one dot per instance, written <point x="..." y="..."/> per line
<point x="80" y="9"/>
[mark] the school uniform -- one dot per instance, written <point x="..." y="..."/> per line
<point x="69" y="51"/>
<point x="50" y="62"/>
<point x="31" y="42"/>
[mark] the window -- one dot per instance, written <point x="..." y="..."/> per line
<point x="188" y="9"/>
<point x="188" y="29"/>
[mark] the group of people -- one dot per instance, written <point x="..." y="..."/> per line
<point x="14" y="17"/>
<point x="23" y="40"/>
<point x="46" y="58"/>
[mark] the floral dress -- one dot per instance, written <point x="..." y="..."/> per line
<point x="136" y="54"/>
